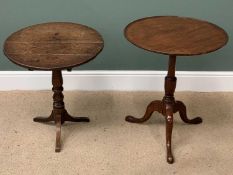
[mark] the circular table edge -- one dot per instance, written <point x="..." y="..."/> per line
<point x="164" y="53"/>
<point x="55" y="68"/>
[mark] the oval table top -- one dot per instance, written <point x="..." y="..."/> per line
<point x="57" y="45"/>
<point x="172" y="35"/>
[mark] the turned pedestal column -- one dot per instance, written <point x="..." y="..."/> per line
<point x="167" y="107"/>
<point x="59" y="114"/>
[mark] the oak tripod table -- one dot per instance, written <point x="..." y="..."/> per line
<point x="173" y="36"/>
<point x="54" y="47"/>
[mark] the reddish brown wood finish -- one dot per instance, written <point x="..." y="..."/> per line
<point x="54" y="46"/>
<point x="173" y="36"/>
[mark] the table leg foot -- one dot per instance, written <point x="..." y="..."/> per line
<point x="170" y="159"/>
<point x="180" y="106"/>
<point x="153" y="106"/>
<point x="44" y="119"/>
<point x="169" y="126"/>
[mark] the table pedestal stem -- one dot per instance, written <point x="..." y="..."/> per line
<point x="59" y="114"/>
<point x="167" y="107"/>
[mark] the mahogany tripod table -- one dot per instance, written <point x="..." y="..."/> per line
<point x="54" y="47"/>
<point x="173" y="36"/>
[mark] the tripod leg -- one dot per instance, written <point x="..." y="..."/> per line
<point x="58" y="132"/>
<point x="153" y="106"/>
<point x="183" y="114"/>
<point x="169" y="126"/>
<point x="44" y="119"/>
<point x="70" y="118"/>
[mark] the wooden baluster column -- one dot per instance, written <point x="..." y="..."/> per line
<point x="58" y="105"/>
<point x="59" y="113"/>
<point x="167" y="107"/>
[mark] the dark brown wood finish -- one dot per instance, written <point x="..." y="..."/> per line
<point x="54" y="46"/>
<point x="59" y="114"/>
<point x="50" y="46"/>
<point x="173" y="36"/>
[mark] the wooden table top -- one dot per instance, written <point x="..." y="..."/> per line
<point x="172" y="35"/>
<point x="57" y="45"/>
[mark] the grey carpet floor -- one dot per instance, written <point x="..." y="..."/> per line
<point x="110" y="146"/>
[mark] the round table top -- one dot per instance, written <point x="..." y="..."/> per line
<point x="57" y="45"/>
<point x="172" y="35"/>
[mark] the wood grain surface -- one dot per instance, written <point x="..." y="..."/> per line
<point x="174" y="35"/>
<point x="57" y="45"/>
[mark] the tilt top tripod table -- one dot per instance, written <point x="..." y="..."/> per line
<point x="173" y="36"/>
<point x="54" y="47"/>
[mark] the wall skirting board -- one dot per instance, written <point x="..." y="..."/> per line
<point x="117" y="80"/>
